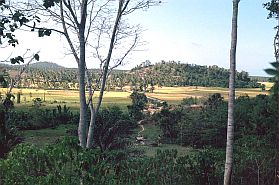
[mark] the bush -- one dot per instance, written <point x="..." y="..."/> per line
<point x="113" y="129"/>
<point x="67" y="163"/>
<point x="138" y="102"/>
<point x="9" y="136"/>
<point x="41" y="118"/>
<point x="64" y="163"/>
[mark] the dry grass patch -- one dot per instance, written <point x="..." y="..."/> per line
<point x="178" y="93"/>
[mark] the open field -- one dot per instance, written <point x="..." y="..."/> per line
<point x="52" y="98"/>
<point x="173" y="95"/>
<point x="50" y="135"/>
<point x="268" y="85"/>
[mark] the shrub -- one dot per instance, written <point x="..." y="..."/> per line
<point x="138" y="102"/>
<point x="113" y="129"/>
<point x="9" y="136"/>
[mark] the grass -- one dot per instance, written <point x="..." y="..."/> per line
<point x="151" y="151"/>
<point x="46" y="136"/>
<point x="52" y="98"/>
<point x="173" y="95"/>
<point x="150" y="134"/>
<point x="268" y="85"/>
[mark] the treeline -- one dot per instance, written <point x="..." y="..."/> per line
<point x="143" y="77"/>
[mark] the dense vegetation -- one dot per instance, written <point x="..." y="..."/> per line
<point x="180" y="74"/>
<point x="143" y="77"/>
<point x="115" y="161"/>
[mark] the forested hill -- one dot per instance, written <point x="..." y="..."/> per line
<point x="37" y="65"/>
<point x="52" y="76"/>
<point x="180" y="74"/>
<point x="45" y="65"/>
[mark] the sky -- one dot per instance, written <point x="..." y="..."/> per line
<point x="189" y="31"/>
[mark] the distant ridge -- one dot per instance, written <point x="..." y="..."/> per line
<point x="37" y="65"/>
<point x="45" y="65"/>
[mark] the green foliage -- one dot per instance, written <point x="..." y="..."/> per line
<point x="189" y="101"/>
<point x="256" y="116"/>
<point x="50" y="3"/>
<point x="3" y="81"/>
<point x="44" y="32"/>
<point x="37" y="102"/>
<point x="195" y="127"/>
<point x="207" y="126"/>
<point x="8" y="101"/>
<point x="168" y="121"/>
<point x="138" y="102"/>
<point x="274" y="73"/>
<point x="37" y="118"/>
<point x="180" y="74"/>
<point x="11" y="22"/>
<point x="214" y="100"/>
<point x="272" y="7"/>
<point x="9" y="136"/>
<point x="255" y="161"/>
<point x="66" y="163"/>
<point x="113" y="129"/>
<point x="56" y="77"/>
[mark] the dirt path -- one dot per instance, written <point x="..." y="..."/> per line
<point x="141" y="126"/>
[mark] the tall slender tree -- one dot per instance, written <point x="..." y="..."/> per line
<point x="230" y="123"/>
<point x="273" y="8"/>
<point x="100" y="26"/>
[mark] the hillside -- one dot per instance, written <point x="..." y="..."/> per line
<point x="37" y="65"/>
<point x="143" y="77"/>
<point x="180" y="74"/>
<point x="45" y="65"/>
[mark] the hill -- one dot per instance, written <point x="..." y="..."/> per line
<point x="179" y="74"/>
<point x="143" y="77"/>
<point x="37" y="65"/>
<point x="45" y="65"/>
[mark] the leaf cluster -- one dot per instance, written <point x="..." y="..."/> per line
<point x="272" y="7"/>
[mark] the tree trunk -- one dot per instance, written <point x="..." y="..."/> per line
<point x="230" y="123"/>
<point x="82" y="98"/>
<point x="277" y="60"/>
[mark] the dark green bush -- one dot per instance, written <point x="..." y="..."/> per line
<point x="37" y="118"/>
<point x="113" y="128"/>
<point x="9" y="136"/>
<point x="139" y="100"/>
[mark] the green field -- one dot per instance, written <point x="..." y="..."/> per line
<point x="51" y="135"/>
<point x="52" y="98"/>
<point x="173" y="95"/>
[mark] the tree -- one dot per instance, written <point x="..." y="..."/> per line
<point x="99" y="25"/>
<point x="230" y="123"/>
<point x="139" y="100"/>
<point x="273" y="8"/>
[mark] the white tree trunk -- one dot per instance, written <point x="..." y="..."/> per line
<point x="82" y="127"/>
<point x="230" y="123"/>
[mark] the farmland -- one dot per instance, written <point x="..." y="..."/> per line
<point x="173" y="95"/>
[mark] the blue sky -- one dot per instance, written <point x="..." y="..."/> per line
<point x="198" y="31"/>
<point x="189" y="31"/>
